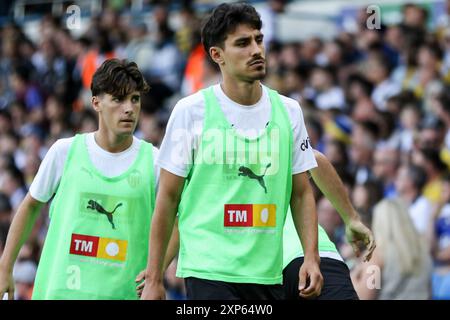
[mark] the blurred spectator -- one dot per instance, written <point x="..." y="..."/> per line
<point x="385" y="165"/>
<point x="48" y="25"/>
<point x="32" y="143"/>
<point x="414" y="23"/>
<point x="373" y="43"/>
<point x="57" y="117"/>
<point x="5" y="121"/>
<point x="5" y="209"/>
<point x="87" y="122"/>
<point x="9" y="57"/>
<point x="70" y="51"/>
<point x="296" y="81"/>
<point x="18" y="116"/>
<point x="409" y="183"/>
<point x="193" y="73"/>
<point x="363" y="141"/>
<point x="440" y="106"/>
<point x="431" y="133"/>
<point x="114" y="24"/>
<point x="336" y="153"/>
<point x="359" y="91"/>
<point x="200" y="71"/>
<point x="364" y="198"/>
<point x="289" y="55"/>
<point x="5" y="219"/>
<point x="401" y="256"/>
<point x="415" y="16"/>
<point x="406" y="73"/>
<point x="378" y="71"/>
<point x="439" y="234"/>
<point x="166" y="63"/>
<point x="443" y="21"/>
<point x="327" y="95"/>
<point x="394" y="38"/>
<point x="30" y="168"/>
<point x="151" y="127"/>
<point x="337" y="127"/>
<point x="445" y="44"/>
<point x="387" y="123"/>
<point x="90" y="61"/>
<point x="187" y="36"/>
<point x="50" y="68"/>
<point x="24" y="273"/>
<point x="330" y="220"/>
<point x="315" y="131"/>
<point x="429" y="160"/>
<point x="309" y="49"/>
<point x="332" y="54"/>
<point x="13" y="185"/>
<point x="269" y="17"/>
<point x="429" y="59"/>
<point x="140" y="47"/>
<point x="25" y="91"/>
<point x="410" y="117"/>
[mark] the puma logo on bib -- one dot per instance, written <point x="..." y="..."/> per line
<point x="247" y="172"/>
<point x="94" y="205"/>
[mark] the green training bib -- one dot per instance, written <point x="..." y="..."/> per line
<point x="97" y="240"/>
<point x="234" y="204"/>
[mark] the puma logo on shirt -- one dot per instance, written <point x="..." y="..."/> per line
<point x="247" y="172"/>
<point x="94" y="205"/>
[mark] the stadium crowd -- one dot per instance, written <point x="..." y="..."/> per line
<point x="376" y="103"/>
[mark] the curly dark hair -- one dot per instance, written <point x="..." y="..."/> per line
<point x="118" y="78"/>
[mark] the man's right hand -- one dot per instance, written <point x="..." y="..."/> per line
<point x="6" y="284"/>
<point x="154" y="291"/>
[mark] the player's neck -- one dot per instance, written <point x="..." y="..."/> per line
<point x="111" y="142"/>
<point x="244" y="93"/>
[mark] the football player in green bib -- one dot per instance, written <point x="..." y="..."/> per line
<point x="102" y="185"/>
<point x="336" y="276"/>
<point x="234" y="158"/>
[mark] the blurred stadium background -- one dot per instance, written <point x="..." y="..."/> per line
<point x="373" y="87"/>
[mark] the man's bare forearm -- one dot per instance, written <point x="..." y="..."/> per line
<point x="162" y="224"/>
<point x="19" y="231"/>
<point x="173" y="247"/>
<point x="328" y="181"/>
<point x="304" y="214"/>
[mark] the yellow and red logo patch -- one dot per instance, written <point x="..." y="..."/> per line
<point x="250" y="215"/>
<point x="104" y="248"/>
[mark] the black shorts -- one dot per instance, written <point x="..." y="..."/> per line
<point x="201" y="289"/>
<point x="337" y="284"/>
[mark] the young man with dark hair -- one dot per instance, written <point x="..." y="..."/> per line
<point x="234" y="158"/>
<point x="103" y="189"/>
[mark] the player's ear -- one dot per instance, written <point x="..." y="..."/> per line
<point x="216" y="55"/>
<point x="95" y="103"/>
